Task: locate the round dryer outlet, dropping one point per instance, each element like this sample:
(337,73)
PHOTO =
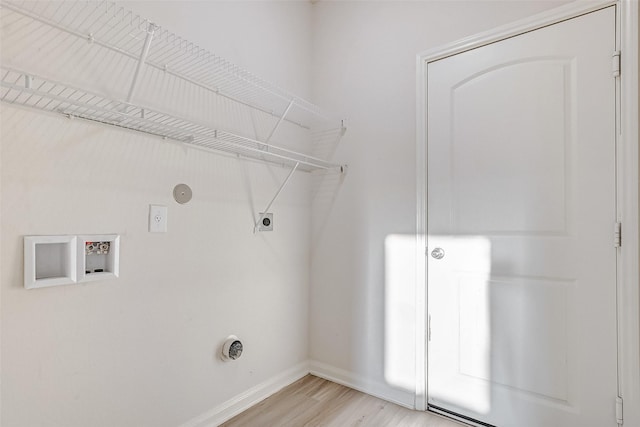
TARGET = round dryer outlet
(232,348)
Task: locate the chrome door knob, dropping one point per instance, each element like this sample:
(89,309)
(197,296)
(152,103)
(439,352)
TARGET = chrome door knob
(437,253)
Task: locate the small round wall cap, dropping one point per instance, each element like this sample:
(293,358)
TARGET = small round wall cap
(182,193)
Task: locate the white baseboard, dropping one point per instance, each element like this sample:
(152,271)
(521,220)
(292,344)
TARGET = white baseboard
(357,382)
(232,407)
(244,401)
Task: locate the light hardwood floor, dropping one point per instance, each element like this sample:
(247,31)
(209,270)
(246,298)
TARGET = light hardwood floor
(313,401)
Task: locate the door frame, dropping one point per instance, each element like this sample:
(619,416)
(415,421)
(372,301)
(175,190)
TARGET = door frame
(627,189)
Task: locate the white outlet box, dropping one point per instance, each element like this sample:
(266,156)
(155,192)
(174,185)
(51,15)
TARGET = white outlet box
(98,257)
(266,223)
(158,219)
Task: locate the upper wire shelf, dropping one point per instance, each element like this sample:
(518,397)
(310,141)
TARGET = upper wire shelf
(101,43)
(120,30)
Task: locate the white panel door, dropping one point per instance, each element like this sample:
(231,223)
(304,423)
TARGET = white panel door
(521,212)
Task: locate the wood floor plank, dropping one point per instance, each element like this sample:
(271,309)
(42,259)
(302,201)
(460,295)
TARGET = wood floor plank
(316,402)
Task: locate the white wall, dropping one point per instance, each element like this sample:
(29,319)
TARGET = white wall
(142,350)
(362,297)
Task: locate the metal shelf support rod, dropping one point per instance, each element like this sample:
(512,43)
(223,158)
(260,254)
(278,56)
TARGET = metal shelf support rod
(151,29)
(286,181)
(282,117)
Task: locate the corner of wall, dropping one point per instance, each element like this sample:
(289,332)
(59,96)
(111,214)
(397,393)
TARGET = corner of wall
(243,401)
(361,383)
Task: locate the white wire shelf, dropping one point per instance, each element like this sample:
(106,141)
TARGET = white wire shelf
(105,47)
(113,27)
(21,88)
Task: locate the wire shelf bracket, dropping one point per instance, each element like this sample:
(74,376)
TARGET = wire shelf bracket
(266,210)
(151,29)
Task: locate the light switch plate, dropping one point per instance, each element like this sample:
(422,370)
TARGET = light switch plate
(157,219)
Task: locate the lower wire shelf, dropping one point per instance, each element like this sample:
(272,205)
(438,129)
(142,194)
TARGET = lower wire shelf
(21,88)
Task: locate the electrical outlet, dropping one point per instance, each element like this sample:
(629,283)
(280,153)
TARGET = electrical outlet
(267,222)
(157,219)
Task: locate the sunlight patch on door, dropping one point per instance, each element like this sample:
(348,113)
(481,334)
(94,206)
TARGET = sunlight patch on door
(469,313)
